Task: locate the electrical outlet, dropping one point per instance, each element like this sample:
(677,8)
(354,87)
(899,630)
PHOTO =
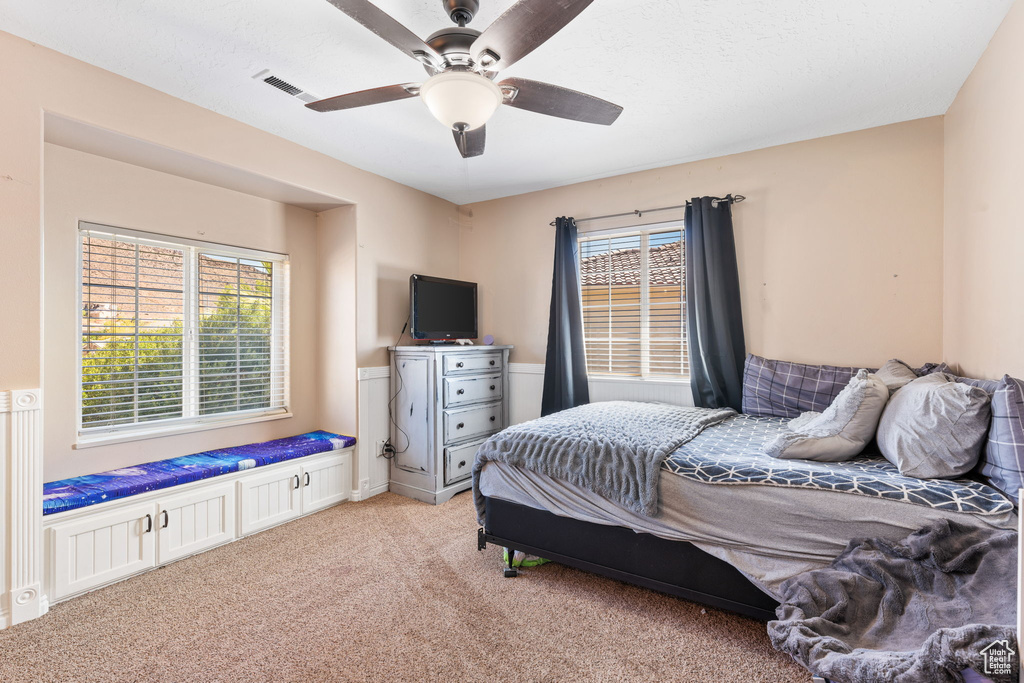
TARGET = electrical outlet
(380,448)
(364,486)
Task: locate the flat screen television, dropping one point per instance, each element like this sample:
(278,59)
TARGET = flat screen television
(442,309)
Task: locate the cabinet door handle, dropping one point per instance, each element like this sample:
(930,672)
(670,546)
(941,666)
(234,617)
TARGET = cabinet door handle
(492,362)
(492,387)
(462,391)
(307,478)
(462,464)
(167,519)
(460,425)
(459,364)
(149,524)
(493,418)
(296,481)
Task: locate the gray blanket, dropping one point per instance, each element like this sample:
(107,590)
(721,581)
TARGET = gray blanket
(923,609)
(613,448)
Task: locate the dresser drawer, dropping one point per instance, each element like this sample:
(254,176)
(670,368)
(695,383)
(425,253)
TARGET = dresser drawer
(461,364)
(458,461)
(463,390)
(461,425)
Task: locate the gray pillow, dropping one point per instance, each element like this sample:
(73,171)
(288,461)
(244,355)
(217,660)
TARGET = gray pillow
(896,374)
(934,427)
(839,432)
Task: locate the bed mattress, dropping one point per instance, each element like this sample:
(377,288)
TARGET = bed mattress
(767,521)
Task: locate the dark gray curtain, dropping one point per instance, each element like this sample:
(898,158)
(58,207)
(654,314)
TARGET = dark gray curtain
(565,368)
(714,324)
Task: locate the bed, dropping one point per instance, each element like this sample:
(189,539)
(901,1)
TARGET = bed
(733,523)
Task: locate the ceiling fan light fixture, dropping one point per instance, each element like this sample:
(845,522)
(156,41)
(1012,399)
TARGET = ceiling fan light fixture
(461,97)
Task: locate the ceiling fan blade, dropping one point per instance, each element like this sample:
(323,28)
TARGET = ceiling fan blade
(521,29)
(555,100)
(385,26)
(389,93)
(470,142)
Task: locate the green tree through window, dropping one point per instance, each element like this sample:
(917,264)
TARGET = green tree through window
(177,332)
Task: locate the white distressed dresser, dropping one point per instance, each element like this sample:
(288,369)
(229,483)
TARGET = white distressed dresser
(447,401)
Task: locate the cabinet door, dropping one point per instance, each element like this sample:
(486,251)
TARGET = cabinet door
(100,549)
(195,521)
(269,499)
(326,482)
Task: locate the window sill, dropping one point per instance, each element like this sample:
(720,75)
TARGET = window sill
(681,381)
(91,441)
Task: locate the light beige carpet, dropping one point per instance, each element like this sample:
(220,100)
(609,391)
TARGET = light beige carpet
(388,589)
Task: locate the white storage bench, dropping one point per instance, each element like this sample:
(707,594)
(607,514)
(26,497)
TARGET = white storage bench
(105,527)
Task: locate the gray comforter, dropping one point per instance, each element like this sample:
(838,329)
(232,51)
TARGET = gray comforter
(923,609)
(613,448)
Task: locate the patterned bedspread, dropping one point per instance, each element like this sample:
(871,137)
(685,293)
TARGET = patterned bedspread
(733,453)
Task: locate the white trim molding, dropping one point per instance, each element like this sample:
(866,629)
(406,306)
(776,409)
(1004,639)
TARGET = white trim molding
(374,390)
(21,451)
(526,387)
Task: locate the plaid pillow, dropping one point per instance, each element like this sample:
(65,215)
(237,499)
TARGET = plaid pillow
(777,388)
(1003,459)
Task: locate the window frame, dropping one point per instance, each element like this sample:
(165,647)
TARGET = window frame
(280,371)
(644,231)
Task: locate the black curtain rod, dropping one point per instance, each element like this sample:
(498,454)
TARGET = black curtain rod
(731,198)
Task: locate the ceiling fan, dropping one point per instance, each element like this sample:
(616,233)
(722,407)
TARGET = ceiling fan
(462,63)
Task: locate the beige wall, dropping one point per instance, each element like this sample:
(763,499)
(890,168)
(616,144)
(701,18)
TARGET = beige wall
(984,242)
(336,292)
(389,232)
(399,229)
(81,186)
(839,244)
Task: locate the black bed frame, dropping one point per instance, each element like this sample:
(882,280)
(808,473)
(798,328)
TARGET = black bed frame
(674,567)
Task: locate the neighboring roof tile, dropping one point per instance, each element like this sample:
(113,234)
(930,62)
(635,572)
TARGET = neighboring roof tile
(624,266)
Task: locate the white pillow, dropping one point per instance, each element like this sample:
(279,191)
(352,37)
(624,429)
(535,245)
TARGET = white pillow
(935,427)
(842,430)
(896,374)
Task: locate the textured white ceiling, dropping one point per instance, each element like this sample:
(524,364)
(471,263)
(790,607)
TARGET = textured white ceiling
(697,78)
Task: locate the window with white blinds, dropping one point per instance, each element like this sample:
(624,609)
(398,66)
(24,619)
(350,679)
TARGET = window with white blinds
(634,303)
(178,332)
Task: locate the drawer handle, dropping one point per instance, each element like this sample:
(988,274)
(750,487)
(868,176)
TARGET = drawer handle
(493,418)
(167,519)
(149,524)
(492,362)
(462,391)
(460,425)
(307,478)
(462,464)
(459,364)
(296,481)
(492,387)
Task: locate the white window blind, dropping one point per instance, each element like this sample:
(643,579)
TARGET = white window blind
(179,331)
(634,305)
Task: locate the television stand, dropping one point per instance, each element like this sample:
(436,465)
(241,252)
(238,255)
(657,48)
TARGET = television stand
(447,401)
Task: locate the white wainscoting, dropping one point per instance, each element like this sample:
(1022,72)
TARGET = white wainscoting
(21,532)
(676,392)
(526,382)
(374,392)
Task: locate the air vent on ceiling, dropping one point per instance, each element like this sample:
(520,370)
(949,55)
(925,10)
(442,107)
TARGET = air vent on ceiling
(270,79)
